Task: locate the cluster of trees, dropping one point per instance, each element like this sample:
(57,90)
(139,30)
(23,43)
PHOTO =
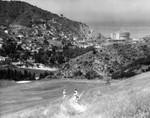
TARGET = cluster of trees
(122,60)
(114,61)
(90,75)
(46,74)
(16,75)
(74,52)
(10,49)
(53,57)
(11,74)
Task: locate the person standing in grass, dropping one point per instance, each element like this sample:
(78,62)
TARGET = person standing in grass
(76,95)
(64,93)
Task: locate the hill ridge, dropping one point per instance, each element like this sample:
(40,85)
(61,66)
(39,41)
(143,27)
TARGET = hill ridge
(25,14)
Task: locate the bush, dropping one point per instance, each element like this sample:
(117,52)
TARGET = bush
(51,74)
(91,75)
(12,74)
(78,73)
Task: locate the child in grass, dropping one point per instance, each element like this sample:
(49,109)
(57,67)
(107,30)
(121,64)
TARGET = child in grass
(76,95)
(64,93)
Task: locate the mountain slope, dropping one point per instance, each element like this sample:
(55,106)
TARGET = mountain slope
(17,12)
(116,61)
(22,13)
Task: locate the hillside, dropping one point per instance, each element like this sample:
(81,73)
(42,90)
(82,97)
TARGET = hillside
(15,13)
(21,13)
(114,61)
(39,36)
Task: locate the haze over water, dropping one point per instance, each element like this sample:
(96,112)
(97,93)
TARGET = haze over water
(136,31)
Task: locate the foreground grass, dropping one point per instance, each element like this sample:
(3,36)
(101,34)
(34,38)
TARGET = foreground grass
(129,99)
(126,99)
(121,105)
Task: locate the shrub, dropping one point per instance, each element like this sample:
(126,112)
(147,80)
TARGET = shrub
(78,73)
(51,74)
(91,75)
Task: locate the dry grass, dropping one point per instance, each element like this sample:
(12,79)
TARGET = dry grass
(121,105)
(129,99)
(126,99)
(118,103)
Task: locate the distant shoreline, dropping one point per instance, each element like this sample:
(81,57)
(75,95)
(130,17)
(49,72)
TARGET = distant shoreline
(136,31)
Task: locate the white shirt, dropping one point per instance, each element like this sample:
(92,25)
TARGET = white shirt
(75,93)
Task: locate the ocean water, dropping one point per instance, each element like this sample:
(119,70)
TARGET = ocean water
(135,31)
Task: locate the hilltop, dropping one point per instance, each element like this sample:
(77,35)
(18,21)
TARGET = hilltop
(18,13)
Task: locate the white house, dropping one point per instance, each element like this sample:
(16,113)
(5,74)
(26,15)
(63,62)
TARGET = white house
(6,31)
(2,58)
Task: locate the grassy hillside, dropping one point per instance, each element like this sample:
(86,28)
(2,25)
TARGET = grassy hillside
(29,100)
(122,99)
(126,99)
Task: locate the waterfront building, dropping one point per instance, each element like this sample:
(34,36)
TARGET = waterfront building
(120,35)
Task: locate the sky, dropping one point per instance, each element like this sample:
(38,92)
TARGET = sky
(100,12)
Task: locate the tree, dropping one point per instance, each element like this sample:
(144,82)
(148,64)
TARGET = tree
(33,76)
(44,58)
(24,55)
(103,68)
(25,74)
(9,48)
(91,75)
(29,77)
(46,43)
(45,74)
(18,76)
(78,73)
(51,74)
(61,15)
(41,76)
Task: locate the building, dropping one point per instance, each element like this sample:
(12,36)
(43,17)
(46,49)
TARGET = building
(121,35)
(6,31)
(2,58)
